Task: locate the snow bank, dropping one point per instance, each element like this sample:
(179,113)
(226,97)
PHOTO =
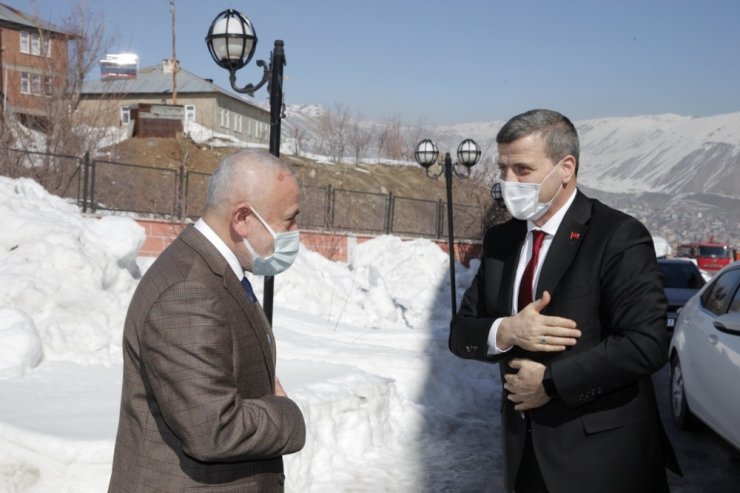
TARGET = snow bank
(69,275)
(362,348)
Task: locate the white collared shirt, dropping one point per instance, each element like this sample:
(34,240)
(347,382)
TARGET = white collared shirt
(225,251)
(550,228)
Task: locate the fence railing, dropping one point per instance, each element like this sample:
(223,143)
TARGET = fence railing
(178,193)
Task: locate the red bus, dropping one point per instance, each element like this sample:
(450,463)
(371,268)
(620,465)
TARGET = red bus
(710,255)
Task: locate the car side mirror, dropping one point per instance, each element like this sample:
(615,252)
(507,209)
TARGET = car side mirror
(729,323)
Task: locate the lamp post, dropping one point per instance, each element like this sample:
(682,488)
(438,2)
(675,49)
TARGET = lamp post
(468,155)
(231,40)
(496,193)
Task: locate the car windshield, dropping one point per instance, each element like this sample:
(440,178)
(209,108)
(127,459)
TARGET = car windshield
(714,251)
(680,275)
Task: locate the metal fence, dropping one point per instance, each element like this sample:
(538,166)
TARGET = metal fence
(177,193)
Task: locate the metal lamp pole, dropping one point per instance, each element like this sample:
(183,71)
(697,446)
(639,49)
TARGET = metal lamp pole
(231,41)
(468,154)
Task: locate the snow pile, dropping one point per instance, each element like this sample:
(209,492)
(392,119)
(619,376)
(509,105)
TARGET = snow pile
(66,278)
(388,283)
(362,348)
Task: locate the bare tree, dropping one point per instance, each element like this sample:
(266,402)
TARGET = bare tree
(381,137)
(57,133)
(393,137)
(333,130)
(415,134)
(484,176)
(85,40)
(299,136)
(359,136)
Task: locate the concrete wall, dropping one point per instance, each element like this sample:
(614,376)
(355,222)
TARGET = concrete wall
(334,246)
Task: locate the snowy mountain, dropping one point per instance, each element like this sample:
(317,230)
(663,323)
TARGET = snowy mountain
(669,154)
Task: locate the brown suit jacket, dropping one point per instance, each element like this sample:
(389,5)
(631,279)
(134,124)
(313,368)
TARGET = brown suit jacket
(198,410)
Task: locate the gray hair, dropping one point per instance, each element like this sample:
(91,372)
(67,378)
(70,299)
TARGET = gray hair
(559,133)
(241,176)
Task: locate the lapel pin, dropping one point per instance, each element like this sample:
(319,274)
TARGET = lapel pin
(575,235)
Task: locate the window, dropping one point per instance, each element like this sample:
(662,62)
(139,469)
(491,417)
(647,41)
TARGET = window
(714,251)
(25,42)
(47,47)
(735,305)
(681,275)
(35,44)
(25,83)
(125,115)
(48,86)
(224,113)
(189,113)
(238,123)
(36,84)
(716,297)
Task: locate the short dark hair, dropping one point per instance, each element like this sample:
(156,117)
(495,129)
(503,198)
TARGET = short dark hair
(561,137)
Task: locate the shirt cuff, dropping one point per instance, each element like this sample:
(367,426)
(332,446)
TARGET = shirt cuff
(492,348)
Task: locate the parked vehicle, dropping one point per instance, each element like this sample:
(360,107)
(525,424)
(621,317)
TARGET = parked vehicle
(681,280)
(705,357)
(710,255)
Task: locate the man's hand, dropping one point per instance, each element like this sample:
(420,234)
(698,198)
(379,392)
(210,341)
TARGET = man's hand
(279,390)
(525,387)
(531,330)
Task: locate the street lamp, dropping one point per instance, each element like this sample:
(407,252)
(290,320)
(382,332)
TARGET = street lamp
(468,154)
(231,40)
(496,193)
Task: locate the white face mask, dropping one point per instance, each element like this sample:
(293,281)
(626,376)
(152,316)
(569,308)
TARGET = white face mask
(284,252)
(523,199)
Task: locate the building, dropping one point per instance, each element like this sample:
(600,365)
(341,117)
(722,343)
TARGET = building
(33,64)
(204,102)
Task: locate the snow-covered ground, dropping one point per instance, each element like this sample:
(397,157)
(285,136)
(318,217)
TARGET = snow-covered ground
(362,348)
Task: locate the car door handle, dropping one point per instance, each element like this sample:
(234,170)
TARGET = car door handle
(713,339)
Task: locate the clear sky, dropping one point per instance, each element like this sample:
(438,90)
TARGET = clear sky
(454,61)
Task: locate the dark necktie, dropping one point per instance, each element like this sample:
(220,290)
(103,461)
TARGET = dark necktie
(525,288)
(248,288)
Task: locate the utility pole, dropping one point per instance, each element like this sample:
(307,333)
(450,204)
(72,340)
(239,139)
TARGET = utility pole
(174,55)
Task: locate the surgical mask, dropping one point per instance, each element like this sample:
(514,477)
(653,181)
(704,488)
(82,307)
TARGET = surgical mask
(284,252)
(523,199)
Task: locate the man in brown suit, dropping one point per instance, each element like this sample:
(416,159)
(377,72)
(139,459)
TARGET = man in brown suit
(201,407)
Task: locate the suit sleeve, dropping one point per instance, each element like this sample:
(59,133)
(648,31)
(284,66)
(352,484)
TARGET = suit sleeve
(187,357)
(632,312)
(470,327)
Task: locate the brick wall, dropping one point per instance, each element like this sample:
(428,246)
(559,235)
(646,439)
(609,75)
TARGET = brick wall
(15,62)
(334,246)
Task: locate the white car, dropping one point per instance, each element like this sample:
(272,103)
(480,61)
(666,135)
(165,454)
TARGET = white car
(705,357)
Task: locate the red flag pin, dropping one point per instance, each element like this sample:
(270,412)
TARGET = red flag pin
(575,235)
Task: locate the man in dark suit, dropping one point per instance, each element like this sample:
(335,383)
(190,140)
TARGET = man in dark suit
(201,407)
(569,301)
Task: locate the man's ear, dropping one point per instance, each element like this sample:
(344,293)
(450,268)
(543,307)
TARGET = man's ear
(239,218)
(568,164)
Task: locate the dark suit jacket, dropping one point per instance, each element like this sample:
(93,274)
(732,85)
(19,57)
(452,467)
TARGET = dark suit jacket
(198,410)
(603,433)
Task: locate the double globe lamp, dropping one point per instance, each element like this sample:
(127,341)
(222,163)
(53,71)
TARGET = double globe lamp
(468,155)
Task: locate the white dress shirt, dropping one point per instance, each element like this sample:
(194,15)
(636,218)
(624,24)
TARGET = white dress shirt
(550,228)
(225,251)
